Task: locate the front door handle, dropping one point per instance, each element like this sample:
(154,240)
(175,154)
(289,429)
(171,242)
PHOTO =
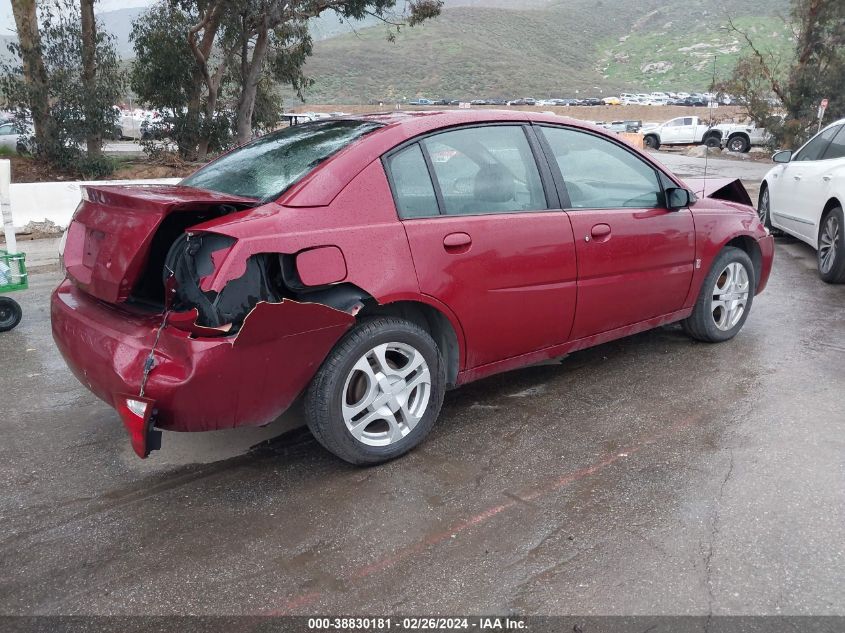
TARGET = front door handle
(826,178)
(797,177)
(457,242)
(599,233)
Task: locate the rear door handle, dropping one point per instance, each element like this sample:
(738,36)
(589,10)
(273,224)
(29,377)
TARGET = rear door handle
(457,242)
(600,233)
(797,177)
(826,178)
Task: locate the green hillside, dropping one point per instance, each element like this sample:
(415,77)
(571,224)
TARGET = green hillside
(551,50)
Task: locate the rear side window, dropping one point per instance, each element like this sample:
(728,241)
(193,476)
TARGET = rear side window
(815,149)
(836,149)
(412,188)
(602,175)
(488,169)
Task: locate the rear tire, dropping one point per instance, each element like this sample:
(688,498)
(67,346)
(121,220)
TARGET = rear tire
(739,144)
(378,393)
(651,141)
(10,314)
(725,299)
(831,253)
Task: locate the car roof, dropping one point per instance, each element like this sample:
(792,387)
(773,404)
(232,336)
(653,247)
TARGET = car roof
(321,186)
(409,124)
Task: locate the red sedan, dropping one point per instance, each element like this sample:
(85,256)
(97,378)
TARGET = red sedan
(370,263)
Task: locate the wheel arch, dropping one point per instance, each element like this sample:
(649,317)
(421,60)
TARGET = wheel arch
(831,204)
(752,249)
(744,135)
(434,321)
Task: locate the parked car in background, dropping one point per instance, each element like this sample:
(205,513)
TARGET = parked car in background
(612,101)
(421,102)
(692,130)
(339,260)
(804,194)
(16,137)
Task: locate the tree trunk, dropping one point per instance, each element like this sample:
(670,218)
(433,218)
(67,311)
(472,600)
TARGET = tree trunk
(35,74)
(94,137)
(246,102)
(208,25)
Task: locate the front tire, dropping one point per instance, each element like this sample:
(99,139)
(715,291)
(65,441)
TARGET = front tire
(831,253)
(651,142)
(378,393)
(764,210)
(725,299)
(713,141)
(10,314)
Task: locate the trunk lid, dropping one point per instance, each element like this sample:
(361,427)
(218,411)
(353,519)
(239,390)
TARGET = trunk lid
(116,226)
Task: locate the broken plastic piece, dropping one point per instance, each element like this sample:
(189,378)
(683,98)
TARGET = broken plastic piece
(187,322)
(136,414)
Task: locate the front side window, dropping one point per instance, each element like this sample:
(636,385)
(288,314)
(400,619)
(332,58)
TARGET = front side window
(265,168)
(816,147)
(412,188)
(488,169)
(600,174)
(836,149)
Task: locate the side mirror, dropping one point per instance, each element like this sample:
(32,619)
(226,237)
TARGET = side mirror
(784,156)
(677,198)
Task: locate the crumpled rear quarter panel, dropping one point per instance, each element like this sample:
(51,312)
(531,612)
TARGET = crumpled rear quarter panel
(197,384)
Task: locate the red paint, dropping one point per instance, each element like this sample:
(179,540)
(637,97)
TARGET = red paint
(321,266)
(198,384)
(642,271)
(109,238)
(517,288)
(137,423)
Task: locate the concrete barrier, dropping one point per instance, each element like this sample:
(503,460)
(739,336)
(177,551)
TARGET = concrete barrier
(56,201)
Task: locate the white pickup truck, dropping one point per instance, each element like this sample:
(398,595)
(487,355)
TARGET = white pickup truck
(692,130)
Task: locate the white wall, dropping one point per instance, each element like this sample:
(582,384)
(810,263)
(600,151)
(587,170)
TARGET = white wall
(56,201)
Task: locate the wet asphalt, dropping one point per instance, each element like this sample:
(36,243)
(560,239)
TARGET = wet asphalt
(652,475)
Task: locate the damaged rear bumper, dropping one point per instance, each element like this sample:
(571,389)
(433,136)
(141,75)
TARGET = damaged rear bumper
(196,384)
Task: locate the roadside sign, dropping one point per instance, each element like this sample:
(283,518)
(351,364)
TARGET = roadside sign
(464,105)
(822,108)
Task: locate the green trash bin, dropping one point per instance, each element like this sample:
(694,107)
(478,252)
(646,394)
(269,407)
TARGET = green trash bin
(12,277)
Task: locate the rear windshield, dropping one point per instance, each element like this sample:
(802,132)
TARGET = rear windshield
(266,167)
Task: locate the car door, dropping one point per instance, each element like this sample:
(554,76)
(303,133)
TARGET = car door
(488,238)
(635,257)
(686,130)
(796,190)
(670,132)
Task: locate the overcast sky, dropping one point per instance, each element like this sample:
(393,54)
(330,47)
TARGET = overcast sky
(7,22)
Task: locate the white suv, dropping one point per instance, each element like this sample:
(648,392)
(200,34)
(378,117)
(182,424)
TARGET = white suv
(804,194)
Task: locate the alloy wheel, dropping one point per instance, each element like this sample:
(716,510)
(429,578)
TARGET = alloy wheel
(828,242)
(730,296)
(386,394)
